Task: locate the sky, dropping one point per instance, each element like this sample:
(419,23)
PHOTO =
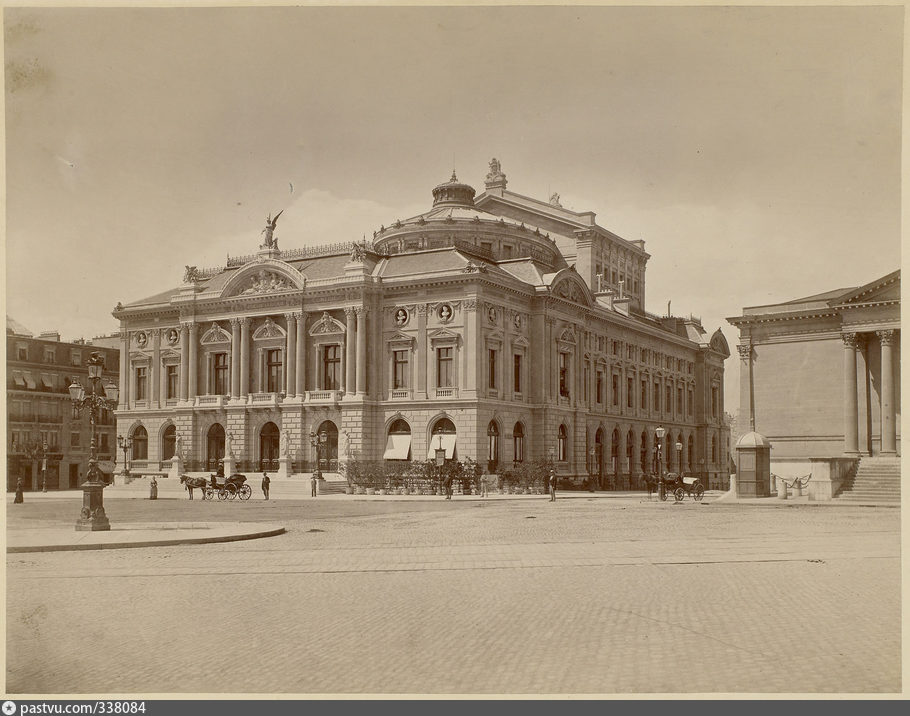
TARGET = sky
(756,151)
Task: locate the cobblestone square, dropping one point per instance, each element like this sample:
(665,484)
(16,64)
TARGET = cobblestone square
(590,596)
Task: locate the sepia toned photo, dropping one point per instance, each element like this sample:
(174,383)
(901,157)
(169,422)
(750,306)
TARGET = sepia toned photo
(452,352)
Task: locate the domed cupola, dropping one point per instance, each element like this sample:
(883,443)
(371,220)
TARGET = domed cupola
(453,193)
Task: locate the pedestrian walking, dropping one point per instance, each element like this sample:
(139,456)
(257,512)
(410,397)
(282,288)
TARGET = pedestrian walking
(447,483)
(265,485)
(552,485)
(19,496)
(153,489)
(313,485)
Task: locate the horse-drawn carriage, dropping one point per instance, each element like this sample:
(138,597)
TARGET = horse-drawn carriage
(226,489)
(676,485)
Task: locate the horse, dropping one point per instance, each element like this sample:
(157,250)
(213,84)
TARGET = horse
(652,483)
(190,482)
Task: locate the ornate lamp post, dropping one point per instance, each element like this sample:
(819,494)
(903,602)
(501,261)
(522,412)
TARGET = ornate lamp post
(661,488)
(318,443)
(44,467)
(679,467)
(592,467)
(126,444)
(93,518)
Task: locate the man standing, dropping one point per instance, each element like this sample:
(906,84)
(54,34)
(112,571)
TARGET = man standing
(552,485)
(265,485)
(313,485)
(447,483)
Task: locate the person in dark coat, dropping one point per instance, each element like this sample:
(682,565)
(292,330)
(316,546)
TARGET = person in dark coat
(265,485)
(19,496)
(313,485)
(447,483)
(552,485)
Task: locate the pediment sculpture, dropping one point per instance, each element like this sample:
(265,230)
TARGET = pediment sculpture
(265,282)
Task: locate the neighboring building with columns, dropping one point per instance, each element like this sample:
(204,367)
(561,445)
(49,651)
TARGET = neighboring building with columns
(820,376)
(498,326)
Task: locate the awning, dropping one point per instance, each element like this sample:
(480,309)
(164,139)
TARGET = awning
(397,447)
(47,380)
(30,381)
(448,443)
(18,379)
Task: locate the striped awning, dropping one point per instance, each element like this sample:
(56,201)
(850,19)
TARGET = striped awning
(47,380)
(18,379)
(30,381)
(397,446)
(448,444)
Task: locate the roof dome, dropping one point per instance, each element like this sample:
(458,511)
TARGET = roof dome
(753,440)
(453,193)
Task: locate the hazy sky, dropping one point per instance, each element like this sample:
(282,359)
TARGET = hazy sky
(755,150)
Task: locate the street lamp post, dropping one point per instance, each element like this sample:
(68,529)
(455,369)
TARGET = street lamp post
(318,443)
(592,467)
(679,458)
(661,488)
(126,444)
(44,467)
(93,518)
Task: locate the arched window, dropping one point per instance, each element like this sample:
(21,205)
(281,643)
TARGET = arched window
(630,447)
(713,451)
(562,443)
(643,453)
(442,436)
(492,446)
(169,442)
(269,447)
(328,452)
(690,453)
(214,447)
(518,443)
(140,444)
(398,442)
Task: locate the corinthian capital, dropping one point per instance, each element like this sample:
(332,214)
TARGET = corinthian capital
(349,311)
(745,351)
(886,337)
(849,340)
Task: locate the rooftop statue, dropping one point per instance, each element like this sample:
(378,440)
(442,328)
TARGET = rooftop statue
(191,275)
(358,252)
(269,229)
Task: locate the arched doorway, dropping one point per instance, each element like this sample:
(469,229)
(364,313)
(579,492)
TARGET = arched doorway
(398,441)
(269,443)
(691,452)
(214,447)
(599,457)
(140,443)
(328,453)
(518,443)
(169,442)
(643,454)
(492,446)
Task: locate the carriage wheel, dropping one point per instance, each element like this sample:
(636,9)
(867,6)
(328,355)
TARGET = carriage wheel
(699,492)
(222,494)
(231,491)
(662,492)
(679,494)
(245,492)
(208,493)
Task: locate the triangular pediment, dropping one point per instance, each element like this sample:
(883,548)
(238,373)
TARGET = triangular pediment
(442,334)
(885,289)
(268,329)
(521,341)
(326,325)
(400,337)
(169,355)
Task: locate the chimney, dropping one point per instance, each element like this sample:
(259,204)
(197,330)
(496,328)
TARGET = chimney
(49,336)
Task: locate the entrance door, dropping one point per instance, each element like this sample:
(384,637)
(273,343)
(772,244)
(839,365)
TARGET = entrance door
(74,477)
(214,452)
(599,457)
(269,441)
(328,452)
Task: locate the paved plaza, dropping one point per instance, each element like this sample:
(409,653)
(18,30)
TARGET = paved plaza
(586,595)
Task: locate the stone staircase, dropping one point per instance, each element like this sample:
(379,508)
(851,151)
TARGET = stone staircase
(877,479)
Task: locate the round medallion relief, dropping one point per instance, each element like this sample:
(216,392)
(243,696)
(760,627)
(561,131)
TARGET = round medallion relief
(401,316)
(445,313)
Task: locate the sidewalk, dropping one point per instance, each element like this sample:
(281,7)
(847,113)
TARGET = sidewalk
(135,535)
(728,498)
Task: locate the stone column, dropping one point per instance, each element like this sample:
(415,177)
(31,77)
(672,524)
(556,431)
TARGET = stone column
(851,426)
(184,361)
(889,437)
(193,368)
(235,358)
(551,360)
(301,354)
(361,313)
(422,352)
(746,390)
(350,346)
(124,370)
(290,360)
(244,357)
(155,378)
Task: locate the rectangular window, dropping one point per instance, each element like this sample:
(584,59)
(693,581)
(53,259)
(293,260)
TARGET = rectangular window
(331,367)
(273,371)
(219,374)
(587,381)
(492,368)
(615,387)
(644,395)
(141,383)
(76,358)
(400,370)
(668,401)
(22,353)
(690,402)
(104,446)
(630,392)
(679,399)
(75,439)
(444,368)
(656,395)
(599,387)
(171,381)
(49,355)
(713,401)
(516,373)
(54,441)
(564,375)
(507,252)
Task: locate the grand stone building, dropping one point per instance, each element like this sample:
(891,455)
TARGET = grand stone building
(497,326)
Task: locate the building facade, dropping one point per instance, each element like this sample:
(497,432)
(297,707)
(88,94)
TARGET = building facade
(820,376)
(498,327)
(47,443)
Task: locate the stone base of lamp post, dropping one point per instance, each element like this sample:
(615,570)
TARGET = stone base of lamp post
(284,467)
(92,518)
(230,465)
